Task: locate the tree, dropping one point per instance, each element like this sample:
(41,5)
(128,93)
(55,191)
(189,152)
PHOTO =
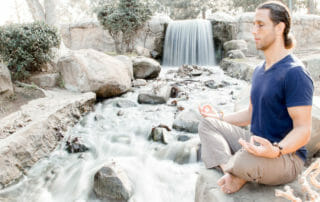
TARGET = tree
(123,20)
(46,13)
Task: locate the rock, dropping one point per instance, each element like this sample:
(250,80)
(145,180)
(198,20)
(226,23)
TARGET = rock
(154,54)
(235,45)
(112,184)
(31,133)
(183,138)
(74,146)
(239,68)
(145,68)
(312,63)
(235,54)
(90,70)
(215,85)
(45,80)
(139,82)
(127,61)
(6,88)
(189,70)
(87,35)
(159,95)
(187,120)
(313,145)
(158,134)
(208,190)
(141,51)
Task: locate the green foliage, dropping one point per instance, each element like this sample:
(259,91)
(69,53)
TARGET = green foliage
(25,47)
(123,19)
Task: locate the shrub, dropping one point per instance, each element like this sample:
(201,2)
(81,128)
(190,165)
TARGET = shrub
(123,20)
(25,47)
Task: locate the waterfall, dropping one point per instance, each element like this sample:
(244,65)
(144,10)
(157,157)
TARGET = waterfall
(189,42)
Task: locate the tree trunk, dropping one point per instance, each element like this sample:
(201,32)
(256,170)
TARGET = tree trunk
(36,10)
(50,7)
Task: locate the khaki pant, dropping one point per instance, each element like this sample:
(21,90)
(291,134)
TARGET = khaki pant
(219,145)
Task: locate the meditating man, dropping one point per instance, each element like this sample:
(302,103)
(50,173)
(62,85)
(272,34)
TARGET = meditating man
(273,151)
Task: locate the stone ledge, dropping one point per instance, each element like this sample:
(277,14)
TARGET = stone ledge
(33,132)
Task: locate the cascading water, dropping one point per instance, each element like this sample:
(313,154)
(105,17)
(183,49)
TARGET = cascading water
(189,42)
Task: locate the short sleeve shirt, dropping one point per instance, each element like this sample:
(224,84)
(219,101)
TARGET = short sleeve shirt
(285,84)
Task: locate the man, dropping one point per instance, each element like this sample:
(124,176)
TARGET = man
(273,151)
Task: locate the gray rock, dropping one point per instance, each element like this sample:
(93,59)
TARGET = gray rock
(158,134)
(235,54)
(312,63)
(112,184)
(139,82)
(6,88)
(239,68)
(127,61)
(235,45)
(90,70)
(183,138)
(208,190)
(34,131)
(313,145)
(215,85)
(159,95)
(145,68)
(187,120)
(45,80)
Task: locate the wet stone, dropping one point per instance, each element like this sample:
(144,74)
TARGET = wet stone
(183,138)
(74,146)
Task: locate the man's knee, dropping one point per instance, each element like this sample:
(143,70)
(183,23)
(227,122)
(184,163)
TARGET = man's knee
(207,124)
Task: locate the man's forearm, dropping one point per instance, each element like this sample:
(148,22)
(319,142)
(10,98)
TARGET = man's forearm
(241,118)
(297,138)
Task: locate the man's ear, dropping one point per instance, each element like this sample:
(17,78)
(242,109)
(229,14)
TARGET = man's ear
(280,28)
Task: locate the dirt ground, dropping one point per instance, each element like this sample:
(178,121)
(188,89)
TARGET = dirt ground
(21,96)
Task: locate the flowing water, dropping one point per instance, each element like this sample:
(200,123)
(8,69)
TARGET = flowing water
(189,42)
(157,172)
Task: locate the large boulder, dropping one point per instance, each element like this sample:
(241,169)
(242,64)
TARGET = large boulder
(208,190)
(127,61)
(89,70)
(145,68)
(158,95)
(5,81)
(45,80)
(235,45)
(239,68)
(312,63)
(313,145)
(187,120)
(112,184)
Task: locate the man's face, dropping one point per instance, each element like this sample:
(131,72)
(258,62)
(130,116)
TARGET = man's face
(263,29)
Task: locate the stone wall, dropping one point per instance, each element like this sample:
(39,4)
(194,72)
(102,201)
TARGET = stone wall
(305,28)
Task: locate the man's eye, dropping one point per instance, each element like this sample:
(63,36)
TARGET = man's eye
(260,25)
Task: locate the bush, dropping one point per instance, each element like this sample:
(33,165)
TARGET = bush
(25,47)
(123,20)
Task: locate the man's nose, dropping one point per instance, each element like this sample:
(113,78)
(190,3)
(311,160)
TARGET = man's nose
(254,29)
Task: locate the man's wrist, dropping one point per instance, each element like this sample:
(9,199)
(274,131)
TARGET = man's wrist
(276,144)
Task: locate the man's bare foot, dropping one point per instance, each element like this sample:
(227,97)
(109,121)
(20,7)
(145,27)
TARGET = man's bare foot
(230,183)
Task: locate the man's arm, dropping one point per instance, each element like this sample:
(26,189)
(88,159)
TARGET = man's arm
(301,132)
(298,136)
(240,118)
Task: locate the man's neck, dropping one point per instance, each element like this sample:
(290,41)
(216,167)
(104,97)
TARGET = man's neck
(274,54)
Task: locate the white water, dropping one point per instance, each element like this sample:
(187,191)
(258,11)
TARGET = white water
(189,42)
(151,167)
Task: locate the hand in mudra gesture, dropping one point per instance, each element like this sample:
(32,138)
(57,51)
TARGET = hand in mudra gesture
(209,111)
(264,149)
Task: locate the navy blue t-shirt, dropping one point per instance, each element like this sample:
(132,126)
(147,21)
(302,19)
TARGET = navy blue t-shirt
(285,84)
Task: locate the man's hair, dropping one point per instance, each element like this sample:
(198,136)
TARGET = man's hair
(280,13)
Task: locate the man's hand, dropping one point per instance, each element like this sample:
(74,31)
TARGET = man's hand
(208,111)
(265,149)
